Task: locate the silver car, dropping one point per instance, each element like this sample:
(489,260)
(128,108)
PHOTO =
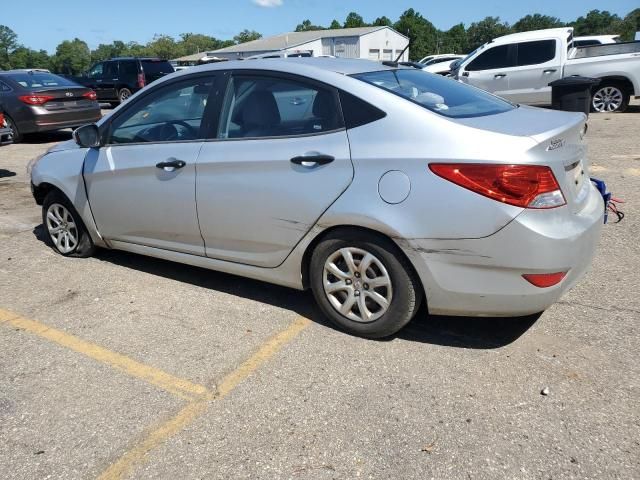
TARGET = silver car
(379,188)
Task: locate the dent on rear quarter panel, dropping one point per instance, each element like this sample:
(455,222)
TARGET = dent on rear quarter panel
(63,169)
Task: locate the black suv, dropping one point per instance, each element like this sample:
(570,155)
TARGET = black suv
(117,79)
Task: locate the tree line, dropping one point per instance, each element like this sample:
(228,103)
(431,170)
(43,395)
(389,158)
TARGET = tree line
(75,56)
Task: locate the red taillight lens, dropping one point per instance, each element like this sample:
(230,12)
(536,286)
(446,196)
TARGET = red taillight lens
(90,95)
(526,186)
(1,120)
(35,99)
(544,280)
(141,80)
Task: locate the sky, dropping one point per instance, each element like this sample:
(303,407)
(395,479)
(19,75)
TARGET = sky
(48,22)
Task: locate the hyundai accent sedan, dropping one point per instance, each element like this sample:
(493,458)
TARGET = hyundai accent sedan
(378,188)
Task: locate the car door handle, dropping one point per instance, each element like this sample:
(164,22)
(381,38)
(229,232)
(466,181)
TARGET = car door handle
(312,160)
(550,70)
(500,75)
(465,74)
(171,165)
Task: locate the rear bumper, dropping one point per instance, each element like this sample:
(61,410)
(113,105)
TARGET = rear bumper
(5,136)
(483,277)
(43,120)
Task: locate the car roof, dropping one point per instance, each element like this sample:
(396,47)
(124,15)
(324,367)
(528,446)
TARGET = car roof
(533,35)
(343,66)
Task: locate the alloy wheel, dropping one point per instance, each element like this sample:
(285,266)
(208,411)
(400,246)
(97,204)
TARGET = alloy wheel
(62,228)
(357,284)
(124,96)
(607,99)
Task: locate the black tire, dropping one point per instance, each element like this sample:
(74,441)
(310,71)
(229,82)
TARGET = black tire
(17,136)
(84,247)
(124,94)
(626,96)
(407,291)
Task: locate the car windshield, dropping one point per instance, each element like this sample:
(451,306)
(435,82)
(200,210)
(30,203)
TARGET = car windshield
(438,94)
(36,80)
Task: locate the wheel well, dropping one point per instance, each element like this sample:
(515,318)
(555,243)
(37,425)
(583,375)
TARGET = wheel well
(623,82)
(306,258)
(42,190)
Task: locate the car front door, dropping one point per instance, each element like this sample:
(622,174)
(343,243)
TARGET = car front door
(141,183)
(537,64)
(280,160)
(95,79)
(490,70)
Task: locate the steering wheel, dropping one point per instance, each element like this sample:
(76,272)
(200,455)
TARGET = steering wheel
(192,131)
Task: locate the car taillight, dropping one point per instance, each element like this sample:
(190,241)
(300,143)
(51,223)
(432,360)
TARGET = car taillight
(141,80)
(90,95)
(1,120)
(544,280)
(526,186)
(35,99)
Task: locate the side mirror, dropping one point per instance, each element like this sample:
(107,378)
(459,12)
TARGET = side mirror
(87,136)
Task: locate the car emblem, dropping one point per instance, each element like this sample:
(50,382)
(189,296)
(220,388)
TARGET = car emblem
(69,94)
(555,143)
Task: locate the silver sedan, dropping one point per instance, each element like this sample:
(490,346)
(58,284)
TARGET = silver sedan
(379,188)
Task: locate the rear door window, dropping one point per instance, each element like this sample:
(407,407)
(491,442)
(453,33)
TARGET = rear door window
(535,53)
(258,107)
(110,70)
(496,57)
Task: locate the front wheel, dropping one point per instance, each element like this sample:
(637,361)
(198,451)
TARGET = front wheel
(363,284)
(609,98)
(64,227)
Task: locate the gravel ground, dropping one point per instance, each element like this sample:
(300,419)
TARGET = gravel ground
(447,398)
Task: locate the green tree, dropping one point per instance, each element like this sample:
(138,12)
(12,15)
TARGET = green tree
(455,40)
(536,22)
(306,26)
(247,36)
(481,32)
(382,22)
(597,23)
(354,20)
(72,57)
(165,47)
(335,25)
(421,32)
(630,25)
(105,51)
(196,43)
(23,57)
(8,43)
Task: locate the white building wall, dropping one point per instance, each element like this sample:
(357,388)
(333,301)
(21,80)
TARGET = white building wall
(386,44)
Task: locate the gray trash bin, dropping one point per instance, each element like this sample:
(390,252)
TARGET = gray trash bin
(572,94)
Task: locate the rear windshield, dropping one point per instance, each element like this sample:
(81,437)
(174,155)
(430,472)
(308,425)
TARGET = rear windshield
(156,66)
(438,94)
(36,80)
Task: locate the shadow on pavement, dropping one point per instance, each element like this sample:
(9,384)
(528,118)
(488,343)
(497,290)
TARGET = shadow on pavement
(459,332)
(47,137)
(6,173)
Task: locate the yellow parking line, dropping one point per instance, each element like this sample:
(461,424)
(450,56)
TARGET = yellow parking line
(189,413)
(177,386)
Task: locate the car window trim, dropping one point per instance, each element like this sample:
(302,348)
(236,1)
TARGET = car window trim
(239,72)
(105,128)
(511,57)
(2,82)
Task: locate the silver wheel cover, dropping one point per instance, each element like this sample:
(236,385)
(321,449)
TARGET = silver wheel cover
(607,99)
(62,228)
(357,284)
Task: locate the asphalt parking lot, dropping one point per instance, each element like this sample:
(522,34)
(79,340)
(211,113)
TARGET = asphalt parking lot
(121,366)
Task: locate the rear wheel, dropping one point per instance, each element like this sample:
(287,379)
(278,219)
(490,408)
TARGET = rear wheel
(610,97)
(363,284)
(64,227)
(124,94)
(15,133)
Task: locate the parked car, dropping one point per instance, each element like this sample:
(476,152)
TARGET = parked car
(36,101)
(331,174)
(520,66)
(595,40)
(6,136)
(115,80)
(429,59)
(442,66)
(283,54)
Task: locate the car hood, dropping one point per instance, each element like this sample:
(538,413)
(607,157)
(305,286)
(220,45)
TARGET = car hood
(525,121)
(68,145)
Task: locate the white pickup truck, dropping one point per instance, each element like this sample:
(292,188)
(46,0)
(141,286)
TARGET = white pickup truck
(519,67)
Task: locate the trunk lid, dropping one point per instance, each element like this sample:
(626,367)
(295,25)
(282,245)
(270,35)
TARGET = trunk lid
(65,98)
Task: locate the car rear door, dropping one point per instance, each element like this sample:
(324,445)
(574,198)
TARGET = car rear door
(537,64)
(141,184)
(110,78)
(280,160)
(490,69)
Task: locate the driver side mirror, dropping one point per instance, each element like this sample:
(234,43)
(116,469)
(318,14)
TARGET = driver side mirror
(87,136)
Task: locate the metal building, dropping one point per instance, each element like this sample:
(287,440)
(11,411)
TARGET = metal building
(374,43)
